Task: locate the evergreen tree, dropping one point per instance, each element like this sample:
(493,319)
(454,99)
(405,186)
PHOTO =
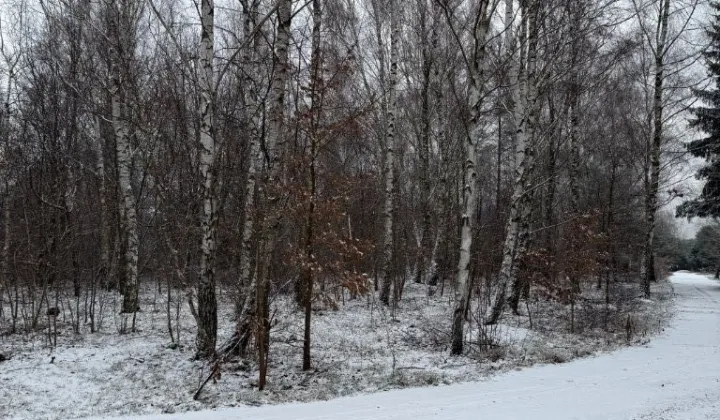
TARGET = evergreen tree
(707,118)
(705,253)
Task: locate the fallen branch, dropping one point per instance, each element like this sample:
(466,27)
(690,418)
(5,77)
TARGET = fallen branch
(214,375)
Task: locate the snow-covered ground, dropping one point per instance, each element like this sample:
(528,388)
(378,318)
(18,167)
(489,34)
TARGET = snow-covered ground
(676,376)
(360,348)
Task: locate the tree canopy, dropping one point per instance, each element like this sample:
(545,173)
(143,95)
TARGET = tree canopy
(707,119)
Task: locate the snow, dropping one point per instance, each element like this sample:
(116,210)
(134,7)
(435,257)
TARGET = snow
(361,347)
(675,376)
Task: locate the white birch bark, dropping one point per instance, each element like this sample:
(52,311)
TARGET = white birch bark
(207,301)
(276,123)
(121,33)
(245,305)
(508,22)
(124,158)
(275,143)
(104,211)
(657,131)
(386,274)
(377,12)
(253,312)
(525,116)
(103,272)
(254,159)
(440,135)
(127,196)
(470,187)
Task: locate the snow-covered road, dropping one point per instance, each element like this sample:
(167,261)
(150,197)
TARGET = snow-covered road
(676,376)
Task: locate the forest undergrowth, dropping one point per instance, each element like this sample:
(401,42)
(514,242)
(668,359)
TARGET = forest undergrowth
(360,346)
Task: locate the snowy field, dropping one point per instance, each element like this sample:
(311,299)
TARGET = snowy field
(360,348)
(674,377)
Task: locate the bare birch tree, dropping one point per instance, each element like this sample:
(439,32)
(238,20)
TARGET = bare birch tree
(122,17)
(386,271)
(271,191)
(663,45)
(475,65)
(315,114)
(522,76)
(207,300)
(247,281)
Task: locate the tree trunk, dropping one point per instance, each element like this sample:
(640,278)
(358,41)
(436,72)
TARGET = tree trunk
(124,171)
(575,14)
(207,300)
(262,311)
(551,182)
(611,240)
(386,272)
(5,257)
(525,115)
(245,284)
(252,315)
(651,198)
(315,114)
(425,243)
(574,164)
(104,211)
(440,139)
(245,305)
(272,198)
(470,187)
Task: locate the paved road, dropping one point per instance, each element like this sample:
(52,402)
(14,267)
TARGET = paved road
(676,376)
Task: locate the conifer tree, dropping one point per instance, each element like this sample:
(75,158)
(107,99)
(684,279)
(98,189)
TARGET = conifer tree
(707,119)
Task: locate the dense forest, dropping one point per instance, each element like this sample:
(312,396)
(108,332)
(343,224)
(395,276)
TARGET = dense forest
(306,153)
